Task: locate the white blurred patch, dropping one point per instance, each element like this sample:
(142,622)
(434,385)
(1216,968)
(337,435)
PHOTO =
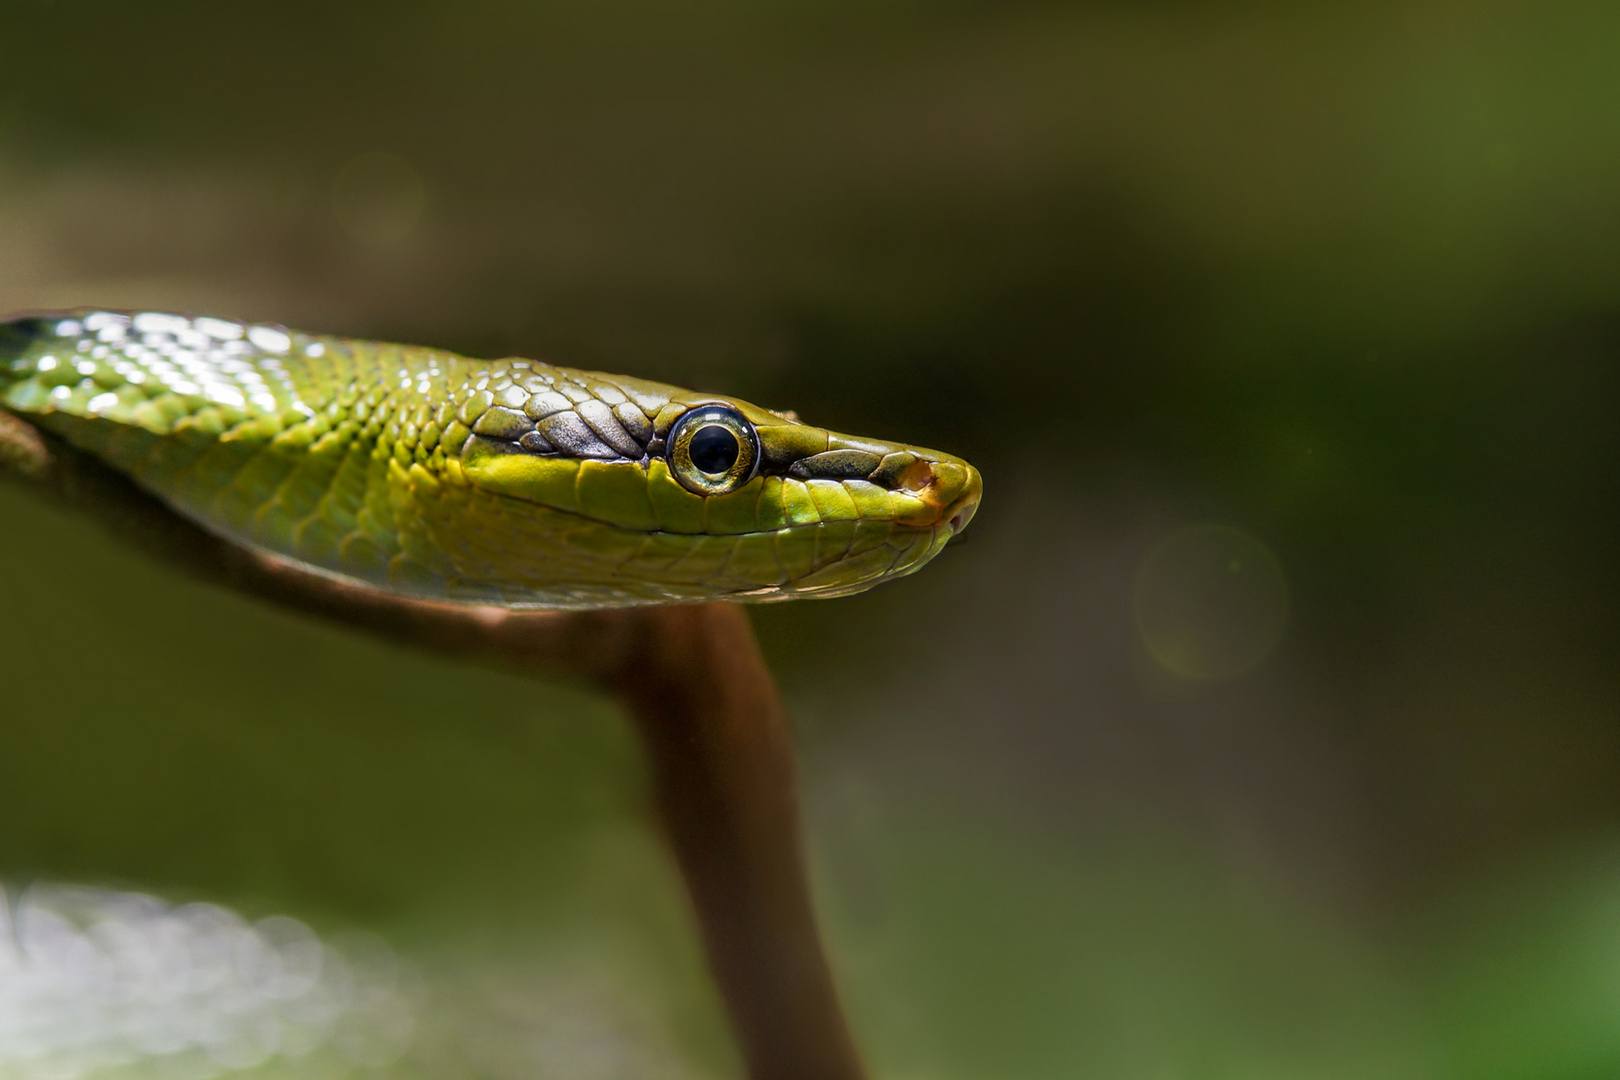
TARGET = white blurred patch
(109,983)
(269,339)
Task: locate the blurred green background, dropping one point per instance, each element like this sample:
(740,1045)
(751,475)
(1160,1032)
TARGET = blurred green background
(1266,724)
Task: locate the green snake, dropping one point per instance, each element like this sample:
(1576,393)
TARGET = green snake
(509,482)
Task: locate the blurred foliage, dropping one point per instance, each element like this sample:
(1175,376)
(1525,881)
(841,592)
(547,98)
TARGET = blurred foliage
(1346,277)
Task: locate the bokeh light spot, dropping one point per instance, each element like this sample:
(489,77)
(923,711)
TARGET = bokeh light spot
(1210,602)
(94,982)
(378,197)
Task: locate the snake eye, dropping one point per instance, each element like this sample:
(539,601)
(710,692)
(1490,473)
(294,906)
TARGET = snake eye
(712,450)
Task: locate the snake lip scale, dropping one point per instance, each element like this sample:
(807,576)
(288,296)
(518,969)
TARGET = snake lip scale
(511,482)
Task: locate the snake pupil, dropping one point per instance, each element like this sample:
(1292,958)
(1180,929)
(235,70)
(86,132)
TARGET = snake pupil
(714,449)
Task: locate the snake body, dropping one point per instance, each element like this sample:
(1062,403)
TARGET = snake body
(511,482)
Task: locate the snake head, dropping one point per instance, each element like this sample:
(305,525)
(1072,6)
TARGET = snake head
(715,497)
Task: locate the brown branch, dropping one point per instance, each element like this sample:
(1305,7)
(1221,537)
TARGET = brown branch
(693,681)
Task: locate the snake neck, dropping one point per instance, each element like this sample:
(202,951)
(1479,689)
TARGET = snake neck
(280,443)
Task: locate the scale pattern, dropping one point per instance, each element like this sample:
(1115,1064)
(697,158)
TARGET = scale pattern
(512,482)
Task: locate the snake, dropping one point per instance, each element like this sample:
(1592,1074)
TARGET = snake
(510,482)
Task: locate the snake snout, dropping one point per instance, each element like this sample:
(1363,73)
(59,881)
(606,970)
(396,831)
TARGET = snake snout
(950,488)
(960,512)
